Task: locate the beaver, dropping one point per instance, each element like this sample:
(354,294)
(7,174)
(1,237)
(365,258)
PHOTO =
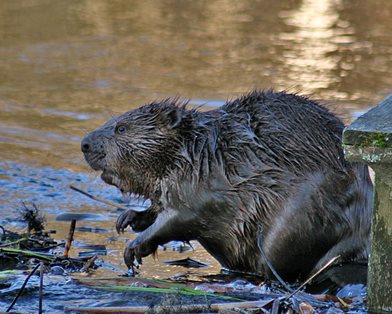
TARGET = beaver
(260,180)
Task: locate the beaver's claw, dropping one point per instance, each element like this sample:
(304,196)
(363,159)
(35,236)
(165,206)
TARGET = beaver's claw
(132,256)
(125,220)
(137,249)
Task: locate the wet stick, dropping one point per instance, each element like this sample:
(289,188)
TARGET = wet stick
(313,276)
(88,264)
(70,237)
(22,288)
(272,269)
(41,284)
(98,199)
(275,306)
(44,256)
(13,243)
(192,308)
(72,217)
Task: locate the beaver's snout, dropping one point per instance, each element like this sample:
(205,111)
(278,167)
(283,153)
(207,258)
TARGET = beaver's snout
(86,146)
(92,144)
(93,150)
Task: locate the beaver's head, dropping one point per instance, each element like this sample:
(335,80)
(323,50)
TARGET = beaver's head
(138,147)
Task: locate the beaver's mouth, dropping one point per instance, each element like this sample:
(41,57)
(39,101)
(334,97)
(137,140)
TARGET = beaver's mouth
(95,161)
(111,178)
(124,186)
(108,177)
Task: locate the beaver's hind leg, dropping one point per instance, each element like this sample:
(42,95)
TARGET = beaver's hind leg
(316,224)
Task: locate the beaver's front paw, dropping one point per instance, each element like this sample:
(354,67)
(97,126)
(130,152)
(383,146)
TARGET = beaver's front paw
(135,250)
(132,256)
(125,220)
(139,221)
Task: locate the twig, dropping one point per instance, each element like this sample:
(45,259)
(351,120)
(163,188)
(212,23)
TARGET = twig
(70,237)
(313,276)
(192,308)
(44,248)
(98,199)
(41,284)
(22,288)
(47,257)
(275,306)
(277,276)
(13,243)
(88,264)
(239,272)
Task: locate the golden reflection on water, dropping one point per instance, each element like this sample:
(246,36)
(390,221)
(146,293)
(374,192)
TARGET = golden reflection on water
(308,59)
(68,66)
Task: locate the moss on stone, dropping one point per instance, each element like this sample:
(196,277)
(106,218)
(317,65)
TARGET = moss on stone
(380,140)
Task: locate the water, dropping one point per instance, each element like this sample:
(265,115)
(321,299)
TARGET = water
(68,66)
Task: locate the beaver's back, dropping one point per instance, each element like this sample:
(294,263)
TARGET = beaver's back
(290,131)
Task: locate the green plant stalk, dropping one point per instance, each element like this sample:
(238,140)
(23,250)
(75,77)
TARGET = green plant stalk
(181,287)
(185,291)
(14,242)
(27,253)
(6,274)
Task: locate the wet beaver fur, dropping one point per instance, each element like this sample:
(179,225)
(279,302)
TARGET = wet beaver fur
(263,172)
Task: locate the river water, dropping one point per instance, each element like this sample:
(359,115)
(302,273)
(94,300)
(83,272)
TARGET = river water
(68,66)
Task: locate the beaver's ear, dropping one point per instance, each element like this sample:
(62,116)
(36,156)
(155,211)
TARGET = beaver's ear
(173,117)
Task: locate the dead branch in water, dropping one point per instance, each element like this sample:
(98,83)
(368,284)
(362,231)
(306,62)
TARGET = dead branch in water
(41,286)
(89,263)
(98,199)
(22,288)
(269,264)
(313,276)
(70,237)
(192,308)
(14,242)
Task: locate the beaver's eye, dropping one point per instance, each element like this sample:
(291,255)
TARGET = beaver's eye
(120,129)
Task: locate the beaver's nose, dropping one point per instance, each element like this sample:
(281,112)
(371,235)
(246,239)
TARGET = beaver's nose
(86,145)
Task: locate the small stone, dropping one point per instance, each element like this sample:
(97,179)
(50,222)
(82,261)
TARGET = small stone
(305,308)
(58,270)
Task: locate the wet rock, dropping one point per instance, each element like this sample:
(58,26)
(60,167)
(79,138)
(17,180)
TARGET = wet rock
(58,270)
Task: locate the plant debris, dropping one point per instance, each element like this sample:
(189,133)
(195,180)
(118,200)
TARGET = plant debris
(19,251)
(33,217)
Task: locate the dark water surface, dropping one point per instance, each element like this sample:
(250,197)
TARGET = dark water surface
(68,66)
